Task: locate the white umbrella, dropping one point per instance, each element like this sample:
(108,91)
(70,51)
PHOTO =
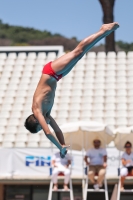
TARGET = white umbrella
(122,135)
(81,134)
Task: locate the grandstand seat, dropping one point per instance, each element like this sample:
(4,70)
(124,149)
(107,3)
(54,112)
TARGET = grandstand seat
(87,99)
(6,107)
(31,56)
(3,56)
(2,129)
(121,79)
(28,68)
(121,63)
(9,62)
(109,114)
(19,100)
(2,93)
(18,107)
(99,92)
(130,121)
(14,80)
(121,73)
(6,74)
(129,99)
(1,138)
(45,144)
(130,61)
(110,73)
(98,99)
(62,114)
(51,56)
(110,86)
(7,144)
(98,106)
(122,121)
(2,62)
(130,54)
(11,129)
(130,73)
(12,56)
(32,145)
(111,64)
(17,74)
(22,56)
(19,63)
(39,65)
(3,87)
(4,114)
(110,92)
(110,106)
(16,114)
(13,122)
(63,106)
(41,55)
(86,113)
(21,138)
(90,63)
(121,92)
(30,62)
(121,86)
(121,54)
(130,106)
(100,73)
(111,54)
(9,138)
(121,106)
(8,69)
(121,99)
(74,106)
(22,130)
(110,121)
(34,138)
(87,106)
(77,86)
(19,144)
(91,55)
(97,113)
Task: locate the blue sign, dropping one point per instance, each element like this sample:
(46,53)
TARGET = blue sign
(38,161)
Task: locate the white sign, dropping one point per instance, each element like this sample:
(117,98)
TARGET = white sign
(36,162)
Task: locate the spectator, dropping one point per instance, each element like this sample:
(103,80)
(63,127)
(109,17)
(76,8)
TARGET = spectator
(97,163)
(127,162)
(61,165)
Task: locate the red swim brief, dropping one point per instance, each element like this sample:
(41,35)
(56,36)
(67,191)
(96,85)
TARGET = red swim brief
(47,69)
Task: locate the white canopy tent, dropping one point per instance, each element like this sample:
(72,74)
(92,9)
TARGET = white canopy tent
(122,135)
(80,134)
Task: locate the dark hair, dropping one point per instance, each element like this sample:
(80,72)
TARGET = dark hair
(31,124)
(128,143)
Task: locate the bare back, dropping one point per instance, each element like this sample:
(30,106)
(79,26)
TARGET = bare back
(43,98)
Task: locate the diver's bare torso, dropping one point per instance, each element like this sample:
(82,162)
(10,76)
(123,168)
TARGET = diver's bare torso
(43,98)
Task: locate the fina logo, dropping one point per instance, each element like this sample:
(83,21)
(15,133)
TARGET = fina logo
(38,161)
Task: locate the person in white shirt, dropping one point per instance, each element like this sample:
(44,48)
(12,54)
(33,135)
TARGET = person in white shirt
(61,165)
(127,162)
(97,163)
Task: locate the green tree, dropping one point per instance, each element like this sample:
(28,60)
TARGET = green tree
(108,17)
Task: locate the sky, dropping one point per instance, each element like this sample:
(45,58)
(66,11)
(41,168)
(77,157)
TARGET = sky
(70,18)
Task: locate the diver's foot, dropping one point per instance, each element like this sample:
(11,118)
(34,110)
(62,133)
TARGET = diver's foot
(108,28)
(63,151)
